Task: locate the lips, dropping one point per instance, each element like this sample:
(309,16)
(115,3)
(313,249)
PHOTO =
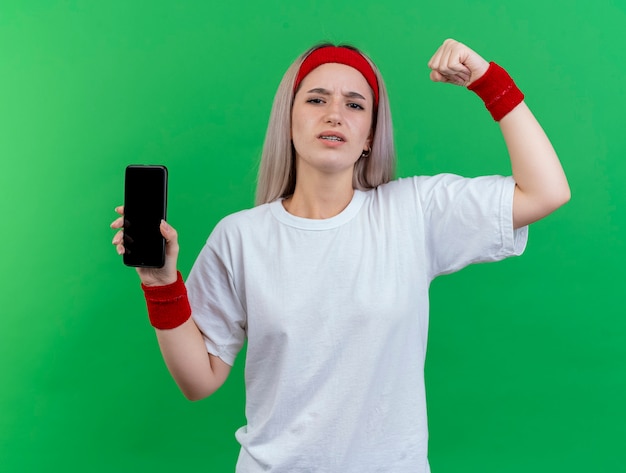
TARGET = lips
(332,136)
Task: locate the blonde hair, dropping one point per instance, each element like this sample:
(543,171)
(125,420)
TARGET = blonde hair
(277,172)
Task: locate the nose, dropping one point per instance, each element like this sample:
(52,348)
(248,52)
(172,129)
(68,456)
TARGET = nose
(333,113)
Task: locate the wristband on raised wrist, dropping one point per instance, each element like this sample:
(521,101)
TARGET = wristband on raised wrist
(498,91)
(168,306)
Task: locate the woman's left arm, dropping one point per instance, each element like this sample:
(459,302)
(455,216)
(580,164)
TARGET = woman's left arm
(541,185)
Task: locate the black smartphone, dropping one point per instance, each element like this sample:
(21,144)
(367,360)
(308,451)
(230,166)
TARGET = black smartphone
(145,205)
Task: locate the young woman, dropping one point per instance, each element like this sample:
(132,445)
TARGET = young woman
(327,277)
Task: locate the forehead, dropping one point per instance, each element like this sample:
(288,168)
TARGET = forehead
(333,75)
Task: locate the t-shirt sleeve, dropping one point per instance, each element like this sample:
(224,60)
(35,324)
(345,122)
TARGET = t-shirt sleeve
(216,306)
(468,220)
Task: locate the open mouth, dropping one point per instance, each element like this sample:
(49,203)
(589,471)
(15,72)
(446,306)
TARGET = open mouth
(331,138)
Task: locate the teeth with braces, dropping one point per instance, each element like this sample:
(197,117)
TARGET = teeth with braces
(331,138)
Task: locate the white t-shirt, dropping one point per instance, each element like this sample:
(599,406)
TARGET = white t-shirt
(335,313)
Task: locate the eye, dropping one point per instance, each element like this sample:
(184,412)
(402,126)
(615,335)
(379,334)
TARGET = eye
(355,106)
(315,101)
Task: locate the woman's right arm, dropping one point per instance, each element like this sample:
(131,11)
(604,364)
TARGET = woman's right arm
(197,373)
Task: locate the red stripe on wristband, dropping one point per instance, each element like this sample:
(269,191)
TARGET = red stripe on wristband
(168,306)
(498,91)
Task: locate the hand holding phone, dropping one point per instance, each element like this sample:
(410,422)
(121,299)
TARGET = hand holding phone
(145,205)
(152,276)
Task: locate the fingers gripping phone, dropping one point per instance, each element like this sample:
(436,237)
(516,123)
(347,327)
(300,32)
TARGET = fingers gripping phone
(145,205)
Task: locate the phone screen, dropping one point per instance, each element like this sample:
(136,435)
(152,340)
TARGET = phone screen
(145,204)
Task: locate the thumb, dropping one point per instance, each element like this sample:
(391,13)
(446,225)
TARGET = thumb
(437,77)
(169,233)
(171,246)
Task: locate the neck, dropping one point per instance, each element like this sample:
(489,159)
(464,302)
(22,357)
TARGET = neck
(321,199)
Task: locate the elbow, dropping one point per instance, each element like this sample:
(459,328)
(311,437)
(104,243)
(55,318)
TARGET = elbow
(193,397)
(198,390)
(555,200)
(193,394)
(554,196)
(533,208)
(562,197)
(196,394)
(567,195)
(196,385)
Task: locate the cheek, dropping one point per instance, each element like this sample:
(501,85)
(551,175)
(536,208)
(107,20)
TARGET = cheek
(297,136)
(296,133)
(299,126)
(366,129)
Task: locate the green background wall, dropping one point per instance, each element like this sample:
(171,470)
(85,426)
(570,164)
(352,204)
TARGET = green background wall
(526,366)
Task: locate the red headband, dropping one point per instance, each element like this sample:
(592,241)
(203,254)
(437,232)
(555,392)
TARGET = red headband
(339,55)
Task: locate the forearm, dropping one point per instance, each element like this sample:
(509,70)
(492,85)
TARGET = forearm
(197,373)
(541,185)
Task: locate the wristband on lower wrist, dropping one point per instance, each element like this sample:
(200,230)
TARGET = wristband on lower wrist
(498,91)
(168,306)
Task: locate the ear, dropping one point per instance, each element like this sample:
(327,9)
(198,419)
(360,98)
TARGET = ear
(369,141)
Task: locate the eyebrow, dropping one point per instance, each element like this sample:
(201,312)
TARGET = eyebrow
(322,91)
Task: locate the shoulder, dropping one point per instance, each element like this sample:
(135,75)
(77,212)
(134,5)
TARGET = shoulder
(411,183)
(425,186)
(244,218)
(414,186)
(238,224)
(231,235)
(441,193)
